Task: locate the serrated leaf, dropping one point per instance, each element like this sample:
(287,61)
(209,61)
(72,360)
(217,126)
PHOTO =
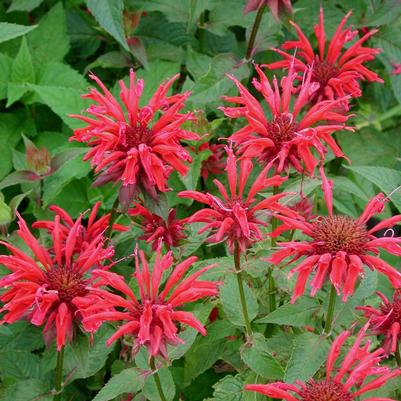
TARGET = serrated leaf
(150,390)
(21,335)
(24,5)
(299,314)
(109,14)
(18,177)
(127,381)
(84,358)
(308,355)
(19,365)
(230,299)
(61,75)
(11,31)
(230,388)
(27,390)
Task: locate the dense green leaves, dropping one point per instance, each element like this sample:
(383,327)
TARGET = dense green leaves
(10,31)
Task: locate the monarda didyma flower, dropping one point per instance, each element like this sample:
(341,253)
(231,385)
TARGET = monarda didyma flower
(135,146)
(359,373)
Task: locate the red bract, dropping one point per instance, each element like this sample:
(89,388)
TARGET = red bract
(234,216)
(339,68)
(214,164)
(138,146)
(85,233)
(285,136)
(277,7)
(339,247)
(386,320)
(44,289)
(156,229)
(359,373)
(151,317)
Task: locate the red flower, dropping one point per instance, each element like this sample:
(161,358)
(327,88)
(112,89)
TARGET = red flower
(86,234)
(339,247)
(214,164)
(138,146)
(44,289)
(396,69)
(386,320)
(285,137)
(336,70)
(277,7)
(156,229)
(359,373)
(151,317)
(234,216)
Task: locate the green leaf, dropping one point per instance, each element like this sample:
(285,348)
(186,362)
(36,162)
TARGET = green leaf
(74,168)
(230,388)
(27,390)
(260,360)
(50,42)
(18,177)
(150,390)
(128,381)
(299,314)
(109,14)
(84,358)
(230,298)
(5,74)
(385,178)
(24,5)
(21,335)
(19,365)
(62,75)
(11,31)
(308,355)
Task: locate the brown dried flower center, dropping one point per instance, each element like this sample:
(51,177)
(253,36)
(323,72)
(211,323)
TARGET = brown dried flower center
(339,233)
(326,390)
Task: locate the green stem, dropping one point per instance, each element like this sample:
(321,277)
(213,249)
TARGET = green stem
(397,355)
(237,264)
(59,374)
(255,28)
(113,216)
(157,379)
(330,310)
(395,111)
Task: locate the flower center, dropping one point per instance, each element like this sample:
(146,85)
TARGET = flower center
(282,129)
(339,233)
(323,72)
(326,390)
(67,282)
(134,136)
(392,310)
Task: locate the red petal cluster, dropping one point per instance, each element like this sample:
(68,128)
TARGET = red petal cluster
(359,373)
(152,316)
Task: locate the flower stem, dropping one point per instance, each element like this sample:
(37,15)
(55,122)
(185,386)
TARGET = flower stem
(237,264)
(157,380)
(330,310)
(113,216)
(255,28)
(59,374)
(397,355)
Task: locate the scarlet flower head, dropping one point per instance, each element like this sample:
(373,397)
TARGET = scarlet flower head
(234,215)
(386,320)
(85,233)
(338,247)
(214,164)
(285,136)
(336,70)
(151,316)
(43,288)
(359,373)
(138,146)
(156,228)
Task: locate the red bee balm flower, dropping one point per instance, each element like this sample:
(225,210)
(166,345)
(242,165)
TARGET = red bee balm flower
(155,228)
(234,218)
(339,246)
(386,320)
(44,290)
(343,384)
(277,7)
(151,318)
(338,70)
(139,146)
(86,234)
(285,137)
(214,164)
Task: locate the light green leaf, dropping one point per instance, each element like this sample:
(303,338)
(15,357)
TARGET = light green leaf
(5,74)
(128,381)
(11,31)
(24,5)
(230,388)
(150,390)
(109,14)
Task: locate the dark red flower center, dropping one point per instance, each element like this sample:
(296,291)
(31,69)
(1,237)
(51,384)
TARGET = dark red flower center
(323,72)
(67,282)
(326,390)
(134,136)
(282,129)
(339,233)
